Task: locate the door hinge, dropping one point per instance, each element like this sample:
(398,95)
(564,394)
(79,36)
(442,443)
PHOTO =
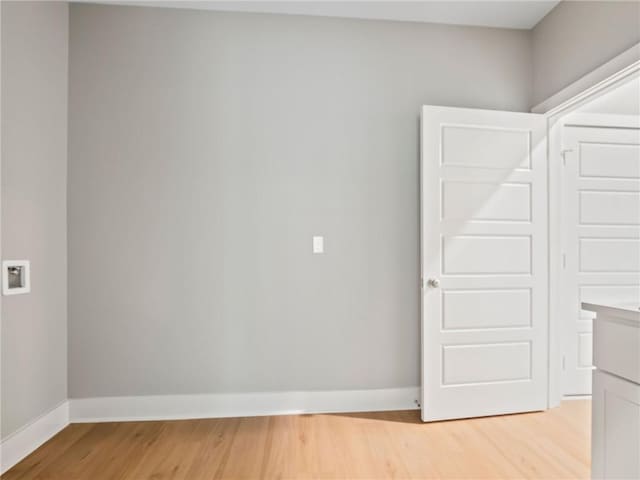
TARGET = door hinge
(564,261)
(563,153)
(564,362)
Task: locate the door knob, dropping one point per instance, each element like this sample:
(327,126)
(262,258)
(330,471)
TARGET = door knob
(433,283)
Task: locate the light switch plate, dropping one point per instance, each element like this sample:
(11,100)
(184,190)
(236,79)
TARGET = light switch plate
(16,277)
(318,244)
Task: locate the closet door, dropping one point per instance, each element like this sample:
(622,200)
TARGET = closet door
(484,263)
(602,236)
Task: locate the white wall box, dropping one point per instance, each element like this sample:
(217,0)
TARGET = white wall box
(318,244)
(16,277)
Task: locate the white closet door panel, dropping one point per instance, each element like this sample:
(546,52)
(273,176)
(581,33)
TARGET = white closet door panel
(622,160)
(609,208)
(609,255)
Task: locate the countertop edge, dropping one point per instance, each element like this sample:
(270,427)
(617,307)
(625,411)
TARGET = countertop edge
(626,313)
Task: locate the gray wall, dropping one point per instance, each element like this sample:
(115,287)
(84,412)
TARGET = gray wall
(206,150)
(34,168)
(577,37)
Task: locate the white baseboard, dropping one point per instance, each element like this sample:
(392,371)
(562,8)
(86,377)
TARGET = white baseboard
(26,440)
(174,407)
(568,398)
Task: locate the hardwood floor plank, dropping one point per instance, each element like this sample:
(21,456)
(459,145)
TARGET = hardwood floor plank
(552,445)
(88,451)
(39,460)
(126,451)
(246,455)
(214,449)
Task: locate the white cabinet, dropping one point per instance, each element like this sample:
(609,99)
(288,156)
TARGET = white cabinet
(616,427)
(615,441)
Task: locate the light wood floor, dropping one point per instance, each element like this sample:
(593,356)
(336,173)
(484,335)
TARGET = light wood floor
(552,444)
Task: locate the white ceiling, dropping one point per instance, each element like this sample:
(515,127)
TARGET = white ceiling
(624,100)
(522,14)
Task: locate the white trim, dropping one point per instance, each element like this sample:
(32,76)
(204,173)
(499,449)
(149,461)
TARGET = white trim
(601,120)
(220,405)
(554,197)
(619,67)
(571,398)
(26,440)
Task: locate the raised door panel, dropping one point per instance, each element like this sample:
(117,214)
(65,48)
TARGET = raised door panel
(469,309)
(487,255)
(621,160)
(480,201)
(486,147)
(488,363)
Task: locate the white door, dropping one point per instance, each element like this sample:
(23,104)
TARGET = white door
(601,243)
(484,263)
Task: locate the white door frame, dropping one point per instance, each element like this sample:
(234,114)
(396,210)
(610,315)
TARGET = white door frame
(622,69)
